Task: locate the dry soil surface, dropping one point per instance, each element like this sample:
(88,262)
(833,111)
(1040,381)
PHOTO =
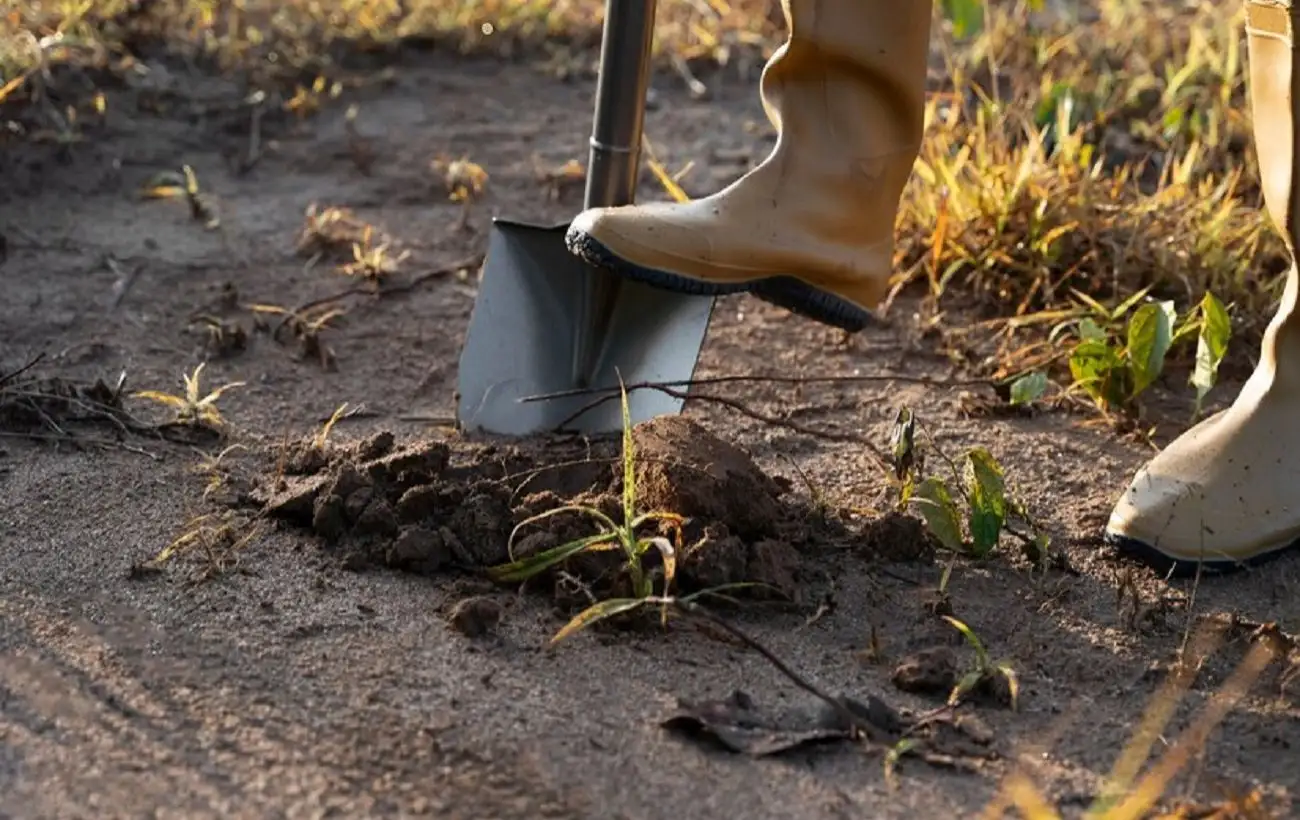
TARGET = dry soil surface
(345,660)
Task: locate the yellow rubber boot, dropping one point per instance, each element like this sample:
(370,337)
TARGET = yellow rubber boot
(811,228)
(1227,492)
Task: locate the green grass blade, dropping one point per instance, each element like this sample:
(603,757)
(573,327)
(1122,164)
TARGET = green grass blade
(610,526)
(598,612)
(526,568)
(629,457)
(971,638)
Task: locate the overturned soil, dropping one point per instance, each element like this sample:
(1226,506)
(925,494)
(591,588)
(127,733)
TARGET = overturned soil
(437,506)
(322,643)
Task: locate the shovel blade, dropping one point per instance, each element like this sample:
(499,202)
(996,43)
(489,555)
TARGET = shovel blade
(527,322)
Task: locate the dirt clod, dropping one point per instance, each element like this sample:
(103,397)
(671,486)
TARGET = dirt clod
(475,617)
(899,537)
(931,671)
(685,469)
(428,506)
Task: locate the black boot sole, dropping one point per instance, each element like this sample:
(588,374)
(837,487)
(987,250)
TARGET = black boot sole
(786,292)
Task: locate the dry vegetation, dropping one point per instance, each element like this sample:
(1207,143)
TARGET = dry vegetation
(1076,156)
(1078,161)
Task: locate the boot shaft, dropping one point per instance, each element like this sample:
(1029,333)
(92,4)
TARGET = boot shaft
(852,73)
(1270,31)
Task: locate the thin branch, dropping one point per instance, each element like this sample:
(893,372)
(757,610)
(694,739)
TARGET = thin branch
(78,441)
(8,377)
(740,408)
(739,379)
(401,287)
(853,719)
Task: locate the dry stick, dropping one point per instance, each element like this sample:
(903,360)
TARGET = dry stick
(8,377)
(737,379)
(854,721)
(78,441)
(739,408)
(408,285)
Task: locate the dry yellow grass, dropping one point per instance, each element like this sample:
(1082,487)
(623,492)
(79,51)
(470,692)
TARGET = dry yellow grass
(1104,151)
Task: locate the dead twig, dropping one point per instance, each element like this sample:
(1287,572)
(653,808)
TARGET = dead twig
(754,379)
(8,377)
(78,441)
(386,290)
(740,408)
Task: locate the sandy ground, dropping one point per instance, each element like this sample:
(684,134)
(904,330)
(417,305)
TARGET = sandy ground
(296,684)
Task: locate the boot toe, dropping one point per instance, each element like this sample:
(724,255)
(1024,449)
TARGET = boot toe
(1206,502)
(619,240)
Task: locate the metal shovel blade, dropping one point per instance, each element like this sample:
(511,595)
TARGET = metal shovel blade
(521,340)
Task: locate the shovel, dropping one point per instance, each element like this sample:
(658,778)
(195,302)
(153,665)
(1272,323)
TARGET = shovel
(547,323)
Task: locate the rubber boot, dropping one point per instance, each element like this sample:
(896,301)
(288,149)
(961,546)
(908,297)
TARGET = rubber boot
(810,228)
(1227,492)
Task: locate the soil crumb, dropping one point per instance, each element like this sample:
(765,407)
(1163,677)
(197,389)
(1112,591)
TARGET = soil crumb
(430,506)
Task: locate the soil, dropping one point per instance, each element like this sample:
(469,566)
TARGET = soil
(326,644)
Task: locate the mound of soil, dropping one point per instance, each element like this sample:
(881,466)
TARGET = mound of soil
(429,506)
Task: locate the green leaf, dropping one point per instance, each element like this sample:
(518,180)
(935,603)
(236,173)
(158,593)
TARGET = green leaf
(940,513)
(902,441)
(988,499)
(981,654)
(1029,388)
(1211,346)
(610,528)
(629,458)
(965,686)
(967,16)
(1090,331)
(597,612)
(1095,366)
(1130,303)
(1013,683)
(1150,332)
(526,568)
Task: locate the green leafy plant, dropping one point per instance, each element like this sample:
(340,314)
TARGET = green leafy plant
(978,485)
(1113,370)
(612,535)
(985,670)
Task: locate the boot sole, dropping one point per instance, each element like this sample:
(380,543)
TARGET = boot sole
(1183,568)
(786,292)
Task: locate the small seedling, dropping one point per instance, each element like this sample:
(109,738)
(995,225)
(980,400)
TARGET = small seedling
(1114,373)
(978,482)
(306,328)
(465,182)
(330,232)
(307,100)
(463,179)
(211,466)
(322,436)
(218,540)
(171,185)
(894,756)
(625,536)
(558,182)
(372,263)
(986,671)
(193,409)
(221,337)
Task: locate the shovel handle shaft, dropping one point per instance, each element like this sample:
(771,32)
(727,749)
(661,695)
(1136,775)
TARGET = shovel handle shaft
(614,164)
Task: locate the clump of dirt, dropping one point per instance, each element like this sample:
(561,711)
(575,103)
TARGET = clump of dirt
(431,506)
(899,537)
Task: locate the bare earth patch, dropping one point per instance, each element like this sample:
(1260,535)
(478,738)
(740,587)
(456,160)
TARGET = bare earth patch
(347,658)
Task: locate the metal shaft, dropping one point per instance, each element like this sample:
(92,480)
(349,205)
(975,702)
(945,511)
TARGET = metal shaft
(620,103)
(614,161)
